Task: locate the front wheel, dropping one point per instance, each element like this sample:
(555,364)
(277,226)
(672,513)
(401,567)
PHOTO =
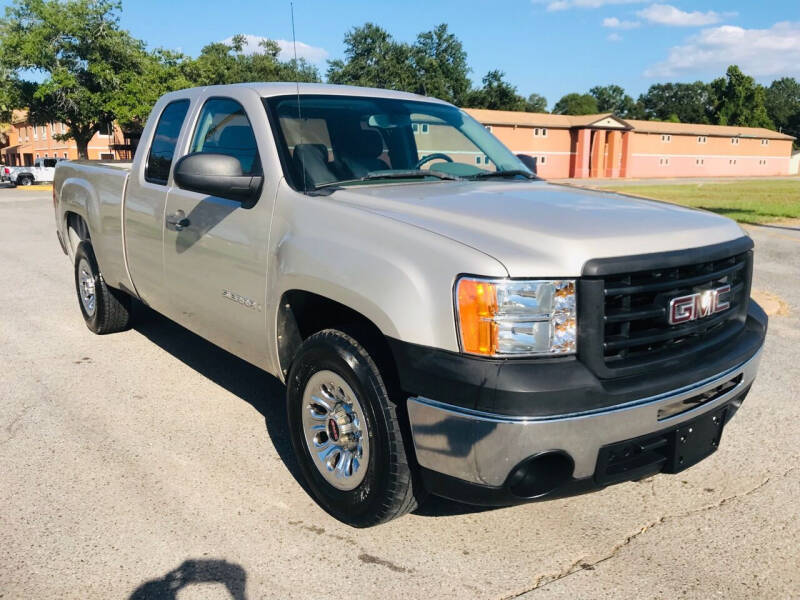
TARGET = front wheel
(105,309)
(346,433)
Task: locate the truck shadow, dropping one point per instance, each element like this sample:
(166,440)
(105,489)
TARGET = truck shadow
(261,390)
(191,572)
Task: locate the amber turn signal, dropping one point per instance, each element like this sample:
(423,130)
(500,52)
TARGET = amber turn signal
(477,306)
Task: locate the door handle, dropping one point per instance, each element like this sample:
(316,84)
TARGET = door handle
(178,220)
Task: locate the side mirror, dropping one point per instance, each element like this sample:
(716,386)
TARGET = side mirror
(217,175)
(528,161)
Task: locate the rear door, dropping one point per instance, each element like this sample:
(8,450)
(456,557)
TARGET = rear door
(215,264)
(145,201)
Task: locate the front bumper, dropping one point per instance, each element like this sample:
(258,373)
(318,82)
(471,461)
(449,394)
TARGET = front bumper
(471,454)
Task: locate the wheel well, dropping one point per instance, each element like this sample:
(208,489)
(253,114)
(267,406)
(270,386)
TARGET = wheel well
(302,314)
(77,230)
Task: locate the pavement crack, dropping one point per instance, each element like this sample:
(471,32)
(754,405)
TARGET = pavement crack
(582,564)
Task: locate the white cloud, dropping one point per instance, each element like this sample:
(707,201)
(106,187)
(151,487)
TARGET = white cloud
(614,37)
(310,53)
(553,5)
(615,23)
(665,14)
(759,52)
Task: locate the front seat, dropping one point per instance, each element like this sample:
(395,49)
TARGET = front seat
(310,162)
(360,151)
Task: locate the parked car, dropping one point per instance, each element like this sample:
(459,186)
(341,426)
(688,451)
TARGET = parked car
(444,322)
(42,171)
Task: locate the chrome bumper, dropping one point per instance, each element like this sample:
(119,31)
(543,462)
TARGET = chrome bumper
(483,448)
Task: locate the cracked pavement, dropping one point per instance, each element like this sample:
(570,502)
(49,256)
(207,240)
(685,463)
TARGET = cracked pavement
(149,464)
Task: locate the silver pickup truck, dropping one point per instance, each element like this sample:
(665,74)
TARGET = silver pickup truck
(444,321)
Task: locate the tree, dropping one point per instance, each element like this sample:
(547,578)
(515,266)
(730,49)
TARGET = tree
(373,59)
(686,102)
(496,94)
(613,99)
(783,105)
(740,100)
(440,63)
(576,104)
(536,103)
(82,54)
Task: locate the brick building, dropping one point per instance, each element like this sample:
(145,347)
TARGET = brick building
(28,142)
(606,146)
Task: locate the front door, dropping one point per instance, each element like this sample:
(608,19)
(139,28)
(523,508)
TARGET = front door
(215,263)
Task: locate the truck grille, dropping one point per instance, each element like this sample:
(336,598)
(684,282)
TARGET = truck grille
(631,328)
(635,316)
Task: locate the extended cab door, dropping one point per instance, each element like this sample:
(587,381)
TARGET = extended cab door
(215,262)
(145,202)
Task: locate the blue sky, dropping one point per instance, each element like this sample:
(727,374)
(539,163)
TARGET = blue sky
(550,47)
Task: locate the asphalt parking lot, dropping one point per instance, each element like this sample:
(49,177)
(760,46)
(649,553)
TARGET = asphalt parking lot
(150,464)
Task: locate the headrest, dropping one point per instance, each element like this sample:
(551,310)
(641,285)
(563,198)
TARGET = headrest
(367,143)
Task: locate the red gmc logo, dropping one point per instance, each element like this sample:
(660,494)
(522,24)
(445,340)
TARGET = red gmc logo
(697,306)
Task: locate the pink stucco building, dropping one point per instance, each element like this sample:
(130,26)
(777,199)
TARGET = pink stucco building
(606,146)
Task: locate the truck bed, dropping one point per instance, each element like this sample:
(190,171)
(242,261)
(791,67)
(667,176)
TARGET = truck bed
(96,189)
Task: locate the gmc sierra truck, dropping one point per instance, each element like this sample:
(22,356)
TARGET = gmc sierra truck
(444,321)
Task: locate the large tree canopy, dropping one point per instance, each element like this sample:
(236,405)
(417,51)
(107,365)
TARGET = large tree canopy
(684,102)
(576,104)
(81,54)
(740,100)
(613,99)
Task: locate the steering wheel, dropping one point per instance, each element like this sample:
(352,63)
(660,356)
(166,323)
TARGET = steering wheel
(430,157)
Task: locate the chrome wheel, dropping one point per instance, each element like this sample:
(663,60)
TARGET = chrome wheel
(86,287)
(335,430)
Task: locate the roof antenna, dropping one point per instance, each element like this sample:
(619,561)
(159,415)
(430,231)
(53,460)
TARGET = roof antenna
(299,116)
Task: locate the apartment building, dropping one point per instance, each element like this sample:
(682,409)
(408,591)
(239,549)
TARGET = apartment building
(606,146)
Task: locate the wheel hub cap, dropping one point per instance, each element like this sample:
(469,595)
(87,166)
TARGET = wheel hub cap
(86,286)
(335,430)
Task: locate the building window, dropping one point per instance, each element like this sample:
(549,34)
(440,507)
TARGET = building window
(486,160)
(735,141)
(415,127)
(666,138)
(44,132)
(424,128)
(536,132)
(765,142)
(65,155)
(35,133)
(701,139)
(663,162)
(540,132)
(477,160)
(699,161)
(542,160)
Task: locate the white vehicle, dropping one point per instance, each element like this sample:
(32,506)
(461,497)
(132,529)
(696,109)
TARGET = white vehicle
(42,171)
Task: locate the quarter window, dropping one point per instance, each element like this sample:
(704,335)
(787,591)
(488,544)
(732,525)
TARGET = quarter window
(223,128)
(162,149)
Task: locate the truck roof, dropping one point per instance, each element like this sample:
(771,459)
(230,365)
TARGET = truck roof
(283,88)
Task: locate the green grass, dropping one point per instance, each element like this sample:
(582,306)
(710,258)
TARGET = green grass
(746,201)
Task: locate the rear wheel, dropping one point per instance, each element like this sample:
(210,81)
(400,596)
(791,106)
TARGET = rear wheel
(105,309)
(25,180)
(346,433)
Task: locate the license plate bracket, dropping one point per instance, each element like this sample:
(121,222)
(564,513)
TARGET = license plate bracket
(695,440)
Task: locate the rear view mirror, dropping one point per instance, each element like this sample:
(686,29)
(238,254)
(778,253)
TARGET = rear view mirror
(217,175)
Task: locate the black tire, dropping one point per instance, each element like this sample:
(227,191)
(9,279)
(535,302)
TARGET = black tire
(25,180)
(112,307)
(387,490)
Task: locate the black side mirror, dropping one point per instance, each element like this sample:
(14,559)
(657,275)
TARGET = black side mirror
(528,161)
(217,175)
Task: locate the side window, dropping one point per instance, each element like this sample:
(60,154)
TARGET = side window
(223,128)
(159,160)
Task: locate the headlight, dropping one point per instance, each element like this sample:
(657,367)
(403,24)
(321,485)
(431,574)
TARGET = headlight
(504,317)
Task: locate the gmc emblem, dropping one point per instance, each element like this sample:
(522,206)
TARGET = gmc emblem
(697,306)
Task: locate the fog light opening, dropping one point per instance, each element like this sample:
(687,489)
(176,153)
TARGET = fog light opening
(540,474)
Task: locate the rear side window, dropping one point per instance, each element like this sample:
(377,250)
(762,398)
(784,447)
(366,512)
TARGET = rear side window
(223,128)
(159,160)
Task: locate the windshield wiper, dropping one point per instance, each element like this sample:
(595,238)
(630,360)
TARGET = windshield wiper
(406,174)
(509,173)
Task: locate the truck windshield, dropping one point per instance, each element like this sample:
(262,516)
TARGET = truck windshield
(344,140)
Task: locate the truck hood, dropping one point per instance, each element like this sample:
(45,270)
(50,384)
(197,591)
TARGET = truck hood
(536,229)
